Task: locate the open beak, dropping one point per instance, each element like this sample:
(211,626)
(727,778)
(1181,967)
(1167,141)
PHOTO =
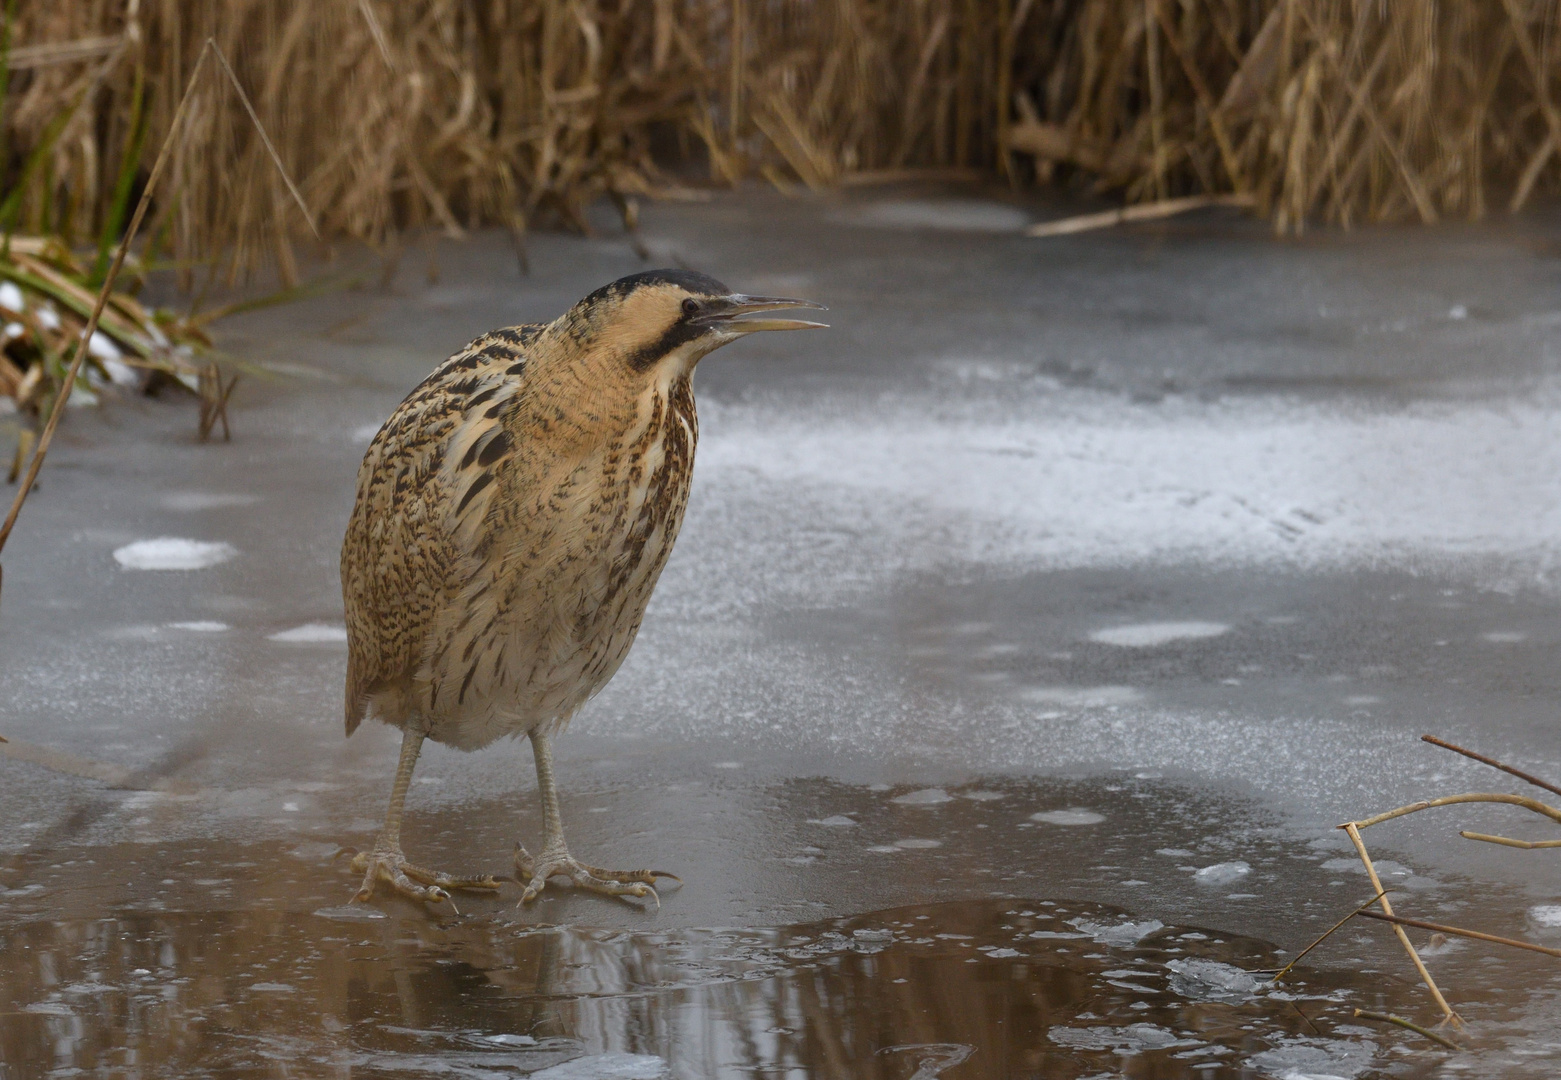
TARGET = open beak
(731,314)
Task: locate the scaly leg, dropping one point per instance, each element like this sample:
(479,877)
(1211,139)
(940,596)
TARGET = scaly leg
(386,863)
(555,860)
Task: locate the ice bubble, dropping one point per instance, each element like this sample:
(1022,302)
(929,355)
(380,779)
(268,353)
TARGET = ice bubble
(925,797)
(1118,934)
(1210,980)
(1222,873)
(1072,816)
(1148,635)
(1316,1059)
(1131,1039)
(615,1066)
(173,553)
(310,633)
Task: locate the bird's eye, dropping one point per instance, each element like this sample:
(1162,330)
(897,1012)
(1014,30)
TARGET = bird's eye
(691,306)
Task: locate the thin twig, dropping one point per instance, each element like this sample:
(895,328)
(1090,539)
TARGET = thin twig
(1441,928)
(102,301)
(1389,1018)
(1527,778)
(378,32)
(1542,809)
(1507,841)
(1326,935)
(1152,211)
(276,158)
(1387,909)
(120,253)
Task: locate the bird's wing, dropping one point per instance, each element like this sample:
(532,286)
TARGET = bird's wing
(425,473)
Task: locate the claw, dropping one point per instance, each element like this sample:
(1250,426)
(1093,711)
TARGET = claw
(535,873)
(428,886)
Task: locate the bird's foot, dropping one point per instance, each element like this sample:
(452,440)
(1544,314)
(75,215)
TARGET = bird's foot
(557,862)
(391,868)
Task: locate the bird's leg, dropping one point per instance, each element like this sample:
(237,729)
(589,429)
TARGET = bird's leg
(555,860)
(386,863)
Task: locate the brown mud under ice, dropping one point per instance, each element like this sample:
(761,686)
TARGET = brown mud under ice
(991,988)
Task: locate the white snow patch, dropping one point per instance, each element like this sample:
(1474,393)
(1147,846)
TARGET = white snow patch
(1148,635)
(310,634)
(200,626)
(1223,873)
(1505,637)
(837,821)
(913,843)
(173,553)
(11,297)
(1545,917)
(365,432)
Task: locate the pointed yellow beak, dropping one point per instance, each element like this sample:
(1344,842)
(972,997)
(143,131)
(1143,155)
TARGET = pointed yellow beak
(729,314)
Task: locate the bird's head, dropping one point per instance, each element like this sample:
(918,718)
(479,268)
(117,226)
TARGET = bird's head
(673,318)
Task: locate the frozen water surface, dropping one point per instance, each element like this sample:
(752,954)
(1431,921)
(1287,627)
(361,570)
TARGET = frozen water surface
(1126,556)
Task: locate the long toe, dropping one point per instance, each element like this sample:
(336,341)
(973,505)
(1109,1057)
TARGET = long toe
(414,882)
(535,872)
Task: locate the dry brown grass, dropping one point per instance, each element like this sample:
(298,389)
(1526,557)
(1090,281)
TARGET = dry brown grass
(458,113)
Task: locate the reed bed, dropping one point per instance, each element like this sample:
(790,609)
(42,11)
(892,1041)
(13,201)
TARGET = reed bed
(456,114)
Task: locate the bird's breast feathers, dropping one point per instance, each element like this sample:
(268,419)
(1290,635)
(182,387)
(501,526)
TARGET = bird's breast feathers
(507,542)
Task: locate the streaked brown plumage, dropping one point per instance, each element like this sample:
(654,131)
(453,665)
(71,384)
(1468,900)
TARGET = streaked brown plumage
(512,517)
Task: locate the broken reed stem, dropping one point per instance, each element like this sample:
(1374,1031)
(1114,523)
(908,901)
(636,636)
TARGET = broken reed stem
(276,159)
(1389,1018)
(1527,778)
(1504,841)
(102,301)
(1442,928)
(1326,935)
(1353,830)
(1542,809)
(1153,211)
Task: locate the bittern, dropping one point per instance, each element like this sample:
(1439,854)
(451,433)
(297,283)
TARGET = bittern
(512,518)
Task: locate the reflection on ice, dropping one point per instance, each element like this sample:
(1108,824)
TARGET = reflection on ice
(981,985)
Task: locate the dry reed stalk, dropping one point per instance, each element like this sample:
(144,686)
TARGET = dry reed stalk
(1352,830)
(106,293)
(452,114)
